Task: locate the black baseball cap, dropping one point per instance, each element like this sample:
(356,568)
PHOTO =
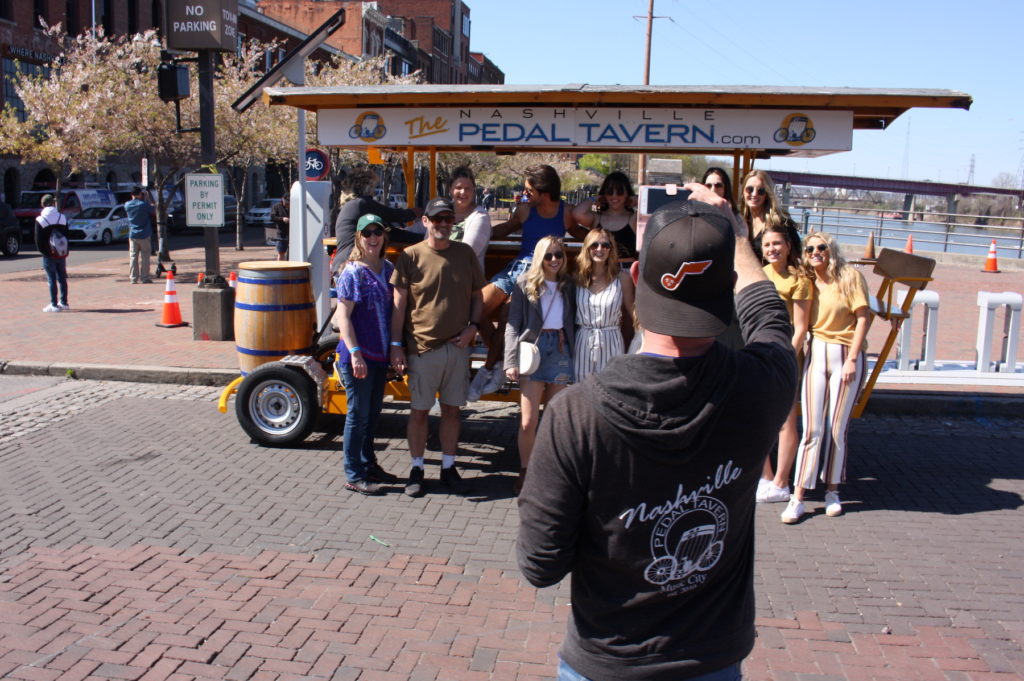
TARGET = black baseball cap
(685,287)
(437,206)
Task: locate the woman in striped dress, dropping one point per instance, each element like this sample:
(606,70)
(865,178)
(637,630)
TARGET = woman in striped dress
(833,372)
(604,304)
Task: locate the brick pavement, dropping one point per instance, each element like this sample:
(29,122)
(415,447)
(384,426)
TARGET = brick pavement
(143,537)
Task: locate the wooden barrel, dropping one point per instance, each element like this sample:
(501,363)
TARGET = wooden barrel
(274,312)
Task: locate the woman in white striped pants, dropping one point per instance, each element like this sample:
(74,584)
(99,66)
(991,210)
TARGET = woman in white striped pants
(833,373)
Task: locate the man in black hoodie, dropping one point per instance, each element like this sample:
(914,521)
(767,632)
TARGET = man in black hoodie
(642,480)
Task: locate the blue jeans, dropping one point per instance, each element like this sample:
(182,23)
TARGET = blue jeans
(56,273)
(365,397)
(730,673)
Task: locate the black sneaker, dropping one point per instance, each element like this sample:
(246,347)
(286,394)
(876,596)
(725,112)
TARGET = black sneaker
(451,479)
(377,474)
(370,489)
(414,488)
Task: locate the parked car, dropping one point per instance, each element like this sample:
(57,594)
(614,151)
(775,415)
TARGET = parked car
(397,201)
(71,203)
(259,214)
(176,216)
(99,225)
(10,233)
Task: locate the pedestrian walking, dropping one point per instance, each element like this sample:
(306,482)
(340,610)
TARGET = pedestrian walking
(51,237)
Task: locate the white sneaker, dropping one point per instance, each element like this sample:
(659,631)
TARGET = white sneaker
(51,308)
(833,506)
(476,386)
(794,511)
(496,380)
(64,307)
(762,489)
(770,494)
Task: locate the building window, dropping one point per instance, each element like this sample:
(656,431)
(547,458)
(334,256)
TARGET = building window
(108,17)
(39,10)
(11,73)
(133,17)
(5,10)
(465,25)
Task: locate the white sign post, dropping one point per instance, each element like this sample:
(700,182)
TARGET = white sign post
(204,200)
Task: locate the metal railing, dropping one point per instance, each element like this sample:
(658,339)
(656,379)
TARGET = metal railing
(932,231)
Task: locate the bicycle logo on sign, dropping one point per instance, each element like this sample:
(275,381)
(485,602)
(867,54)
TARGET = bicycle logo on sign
(314,163)
(369,127)
(797,130)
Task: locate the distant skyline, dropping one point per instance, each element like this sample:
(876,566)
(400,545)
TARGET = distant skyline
(904,44)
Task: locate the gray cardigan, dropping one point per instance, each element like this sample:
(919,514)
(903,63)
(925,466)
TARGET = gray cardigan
(525,320)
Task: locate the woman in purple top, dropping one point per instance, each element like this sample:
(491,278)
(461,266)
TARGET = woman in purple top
(363,317)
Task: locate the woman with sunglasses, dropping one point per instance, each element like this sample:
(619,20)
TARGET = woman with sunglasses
(833,374)
(472,223)
(542,311)
(781,249)
(604,298)
(363,317)
(761,207)
(613,211)
(717,180)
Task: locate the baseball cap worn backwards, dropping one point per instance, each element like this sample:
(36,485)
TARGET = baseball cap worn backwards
(437,206)
(685,287)
(47,200)
(367,220)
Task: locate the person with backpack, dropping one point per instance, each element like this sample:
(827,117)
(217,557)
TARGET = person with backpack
(51,234)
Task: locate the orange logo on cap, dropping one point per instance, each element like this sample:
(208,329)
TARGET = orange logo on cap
(671,281)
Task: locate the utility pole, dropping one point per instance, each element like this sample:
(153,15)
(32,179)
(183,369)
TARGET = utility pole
(641,173)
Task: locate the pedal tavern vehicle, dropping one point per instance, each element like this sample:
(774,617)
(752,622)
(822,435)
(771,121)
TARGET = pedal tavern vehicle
(279,400)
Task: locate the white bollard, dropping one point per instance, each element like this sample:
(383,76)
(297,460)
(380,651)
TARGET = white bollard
(987,304)
(930,301)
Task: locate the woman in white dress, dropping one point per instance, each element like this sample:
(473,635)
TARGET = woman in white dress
(604,304)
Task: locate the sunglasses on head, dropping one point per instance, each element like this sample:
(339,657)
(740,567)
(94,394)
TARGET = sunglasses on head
(367,233)
(760,191)
(821,248)
(600,244)
(714,185)
(557,255)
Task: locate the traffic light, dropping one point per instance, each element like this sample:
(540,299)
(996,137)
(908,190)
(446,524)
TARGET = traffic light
(172,82)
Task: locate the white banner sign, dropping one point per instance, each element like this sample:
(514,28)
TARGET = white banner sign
(593,128)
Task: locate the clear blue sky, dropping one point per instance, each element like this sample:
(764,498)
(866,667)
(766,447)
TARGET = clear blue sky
(974,47)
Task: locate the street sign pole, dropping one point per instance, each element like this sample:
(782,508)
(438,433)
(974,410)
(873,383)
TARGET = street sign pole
(213,300)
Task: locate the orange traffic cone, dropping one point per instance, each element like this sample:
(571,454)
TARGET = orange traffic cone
(233,280)
(869,249)
(199,277)
(909,248)
(991,262)
(172,312)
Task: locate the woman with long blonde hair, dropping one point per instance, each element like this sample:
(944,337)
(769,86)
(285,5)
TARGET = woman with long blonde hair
(604,304)
(761,206)
(542,311)
(833,374)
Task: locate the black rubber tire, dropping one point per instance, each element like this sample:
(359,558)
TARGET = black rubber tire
(107,237)
(276,405)
(12,245)
(326,351)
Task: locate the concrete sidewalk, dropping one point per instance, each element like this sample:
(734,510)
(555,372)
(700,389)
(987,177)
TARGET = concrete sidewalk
(110,332)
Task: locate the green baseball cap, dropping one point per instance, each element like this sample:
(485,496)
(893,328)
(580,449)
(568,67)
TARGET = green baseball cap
(367,220)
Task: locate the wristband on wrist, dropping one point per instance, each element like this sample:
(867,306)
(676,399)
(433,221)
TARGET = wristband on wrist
(396,344)
(353,350)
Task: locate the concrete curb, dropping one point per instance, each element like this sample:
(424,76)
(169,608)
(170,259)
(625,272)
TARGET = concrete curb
(883,401)
(113,372)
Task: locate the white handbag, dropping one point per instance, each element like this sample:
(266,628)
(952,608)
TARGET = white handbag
(529,358)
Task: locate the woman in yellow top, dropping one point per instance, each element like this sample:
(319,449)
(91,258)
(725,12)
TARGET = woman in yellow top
(834,372)
(780,247)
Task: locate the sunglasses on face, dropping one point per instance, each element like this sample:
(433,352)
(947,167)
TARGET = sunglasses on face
(557,255)
(821,248)
(600,244)
(750,191)
(714,185)
(367,233)
(442,219)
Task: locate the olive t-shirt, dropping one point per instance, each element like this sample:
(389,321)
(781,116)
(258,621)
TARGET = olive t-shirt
(832,316)
(441,285)
(791,286)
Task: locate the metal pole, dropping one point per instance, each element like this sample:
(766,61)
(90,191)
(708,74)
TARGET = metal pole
(302,245)
(208,156)
(641,172)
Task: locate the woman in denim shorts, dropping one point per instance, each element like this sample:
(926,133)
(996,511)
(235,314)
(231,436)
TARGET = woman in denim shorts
(542,311)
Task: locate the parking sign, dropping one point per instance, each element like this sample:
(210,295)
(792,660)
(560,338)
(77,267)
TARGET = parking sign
(204,200)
